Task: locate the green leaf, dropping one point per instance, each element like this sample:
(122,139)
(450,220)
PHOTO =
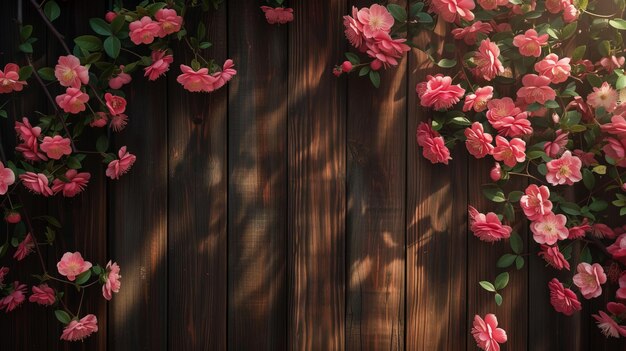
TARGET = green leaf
(364,70)
(205,45)
(416,7)
(622,212)
(423,17)
(83,277)
(551,104)
(102,144)
(604,47)
(25,72)
(3,249)
(201,31)
(97,270)
(52,10)
(598,205)
(618,23)
(62,316)
(26,32)
(516,242)
(50,235)
(570,208)
(498,299)
(506,260)
(535,154)
(461,121)
(487,286)
(579,53)
(73,163)
(118,24)
(569,30)
(446,63)
(353,58)
(494,194)
(542,169)
(594,80)
(112,46)
(51,220)
(398,12)
(3,114)
(588,179)
(375,78)
(601,169)
(515,196)
(100,26)
(519,262)
(89,42)
(509,212)
(46,73)
(25,48)
(501,280)
(620,83)
(585,255)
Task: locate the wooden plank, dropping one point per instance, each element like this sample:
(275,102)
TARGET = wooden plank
(257,202)
(376,188)
(197,242)
(316,169)
(436,229)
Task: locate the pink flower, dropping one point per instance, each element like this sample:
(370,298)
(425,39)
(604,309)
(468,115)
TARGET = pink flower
(451,10)
(487,334)
(555,6)
(478,100)
(425,132)
(73,101)
(118,80)
(43,295)
(571,13)
(169,21)
(57,146)
(436,151)
(513,126)
(15,298)
(589,279)
(496,172)
(621,292)
(556,70)
(3,273)
(439,93)
(10,79)
(70,73)
(564,170)
(24,248)
(7,178)
(491,4)
(478,142)
(488,65)
(562,299)
(144,31)
(602,231)
(280,15)
(26,132)
(498,109)
(579,231)
(604,96)
(509,152)
(616,149)
(608,324)
(487,227)
(76,183)
(119,167)
(100,120)
(549,229)
(72,265)
(587,158)
(78,330)
(386,50)
(37,183)
(116,104)
(618,249)
(554,257)
(617,126)
(225,75)
(354,29)
(469,33)
(119,122)
(530,43)
(160,64)
(112,284)
(535,203)
(196,81)
(556,147)
(375,19)
(536,89)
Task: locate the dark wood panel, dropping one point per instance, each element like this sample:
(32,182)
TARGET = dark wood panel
(257,191)
(197,242)
(316,171)
(376,146)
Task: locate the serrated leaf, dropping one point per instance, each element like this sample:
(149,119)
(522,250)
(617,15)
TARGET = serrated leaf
(516,242)
(569,30)
(502,280)
(506,260)
(52,10)
(487,286)
(62,316)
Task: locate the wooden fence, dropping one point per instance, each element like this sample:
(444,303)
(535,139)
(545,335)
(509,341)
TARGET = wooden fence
(289,210)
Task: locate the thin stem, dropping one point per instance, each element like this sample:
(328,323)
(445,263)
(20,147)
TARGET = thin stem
(49,24)
(132,53)
(80,304)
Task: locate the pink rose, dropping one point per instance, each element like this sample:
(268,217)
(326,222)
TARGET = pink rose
(553,256)
(120,79)
(439,93)
(112,283)
(72,265)
(618,249)
(43,295)
(556,70)
(37,183)
(469,34)
(487,334)
(382,48)
(7,178)
(530,43)
(478,142)
(479,99)
(226,74)
(80,329)
(562,299)
(425,132)
(436,151)
(57,146)
(115,104)
(498,109)
(492,4)
(196,81)
(76,183)
(374,20)
(604,96)
(536,89)
(589,279)
(169,21)
(556,147)
(160,64)
(451,10)
(509,152)
(118,167)
(488,65)
(70,73)
(15,298)
(280,15)
(25,247)
(515,126)
(10,79)
(535,202)
(549,229)
(73,101)
(354,29)
(564,170)
(144,31)
(487,227)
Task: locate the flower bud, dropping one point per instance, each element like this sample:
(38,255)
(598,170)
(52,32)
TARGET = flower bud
(496,172)
(346,66)
(376,65)
(337,71)
(12,217)
(110,16)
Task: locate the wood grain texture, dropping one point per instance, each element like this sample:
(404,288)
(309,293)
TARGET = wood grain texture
(197,176)
(257,191)
(316,170)
(436,229)
(376,143)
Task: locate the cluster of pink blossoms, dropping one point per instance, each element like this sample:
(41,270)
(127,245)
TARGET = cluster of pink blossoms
(277,15)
